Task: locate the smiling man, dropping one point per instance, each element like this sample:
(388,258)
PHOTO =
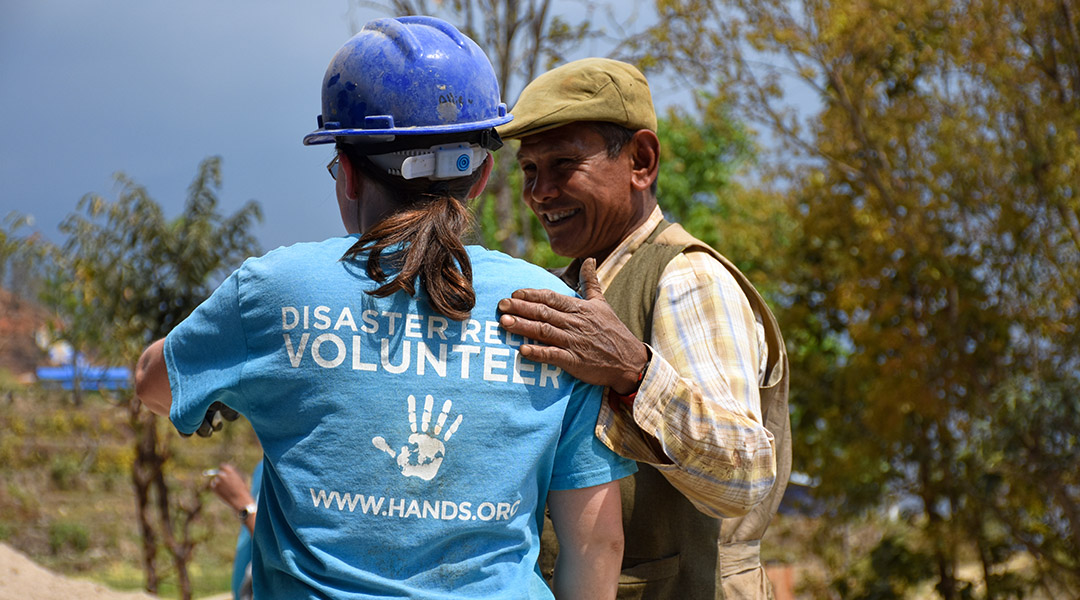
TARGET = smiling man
(692,357)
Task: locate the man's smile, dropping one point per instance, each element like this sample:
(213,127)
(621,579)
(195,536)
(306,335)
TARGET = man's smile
(559,215)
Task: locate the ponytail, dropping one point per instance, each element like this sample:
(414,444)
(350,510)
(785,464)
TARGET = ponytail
(429,227)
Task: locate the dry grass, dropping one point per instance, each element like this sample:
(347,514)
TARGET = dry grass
(803,556)
(66,500)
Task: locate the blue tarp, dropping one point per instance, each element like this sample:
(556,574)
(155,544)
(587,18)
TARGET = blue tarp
(90,377)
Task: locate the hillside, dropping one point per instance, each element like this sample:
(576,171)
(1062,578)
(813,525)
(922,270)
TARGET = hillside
(67,502)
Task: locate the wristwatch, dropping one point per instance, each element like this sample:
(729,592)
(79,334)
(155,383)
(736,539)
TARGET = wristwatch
(247,511)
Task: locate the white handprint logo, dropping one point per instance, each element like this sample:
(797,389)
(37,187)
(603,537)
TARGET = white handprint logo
(424,454)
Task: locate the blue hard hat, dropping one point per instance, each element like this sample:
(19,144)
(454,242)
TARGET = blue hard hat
(407,76)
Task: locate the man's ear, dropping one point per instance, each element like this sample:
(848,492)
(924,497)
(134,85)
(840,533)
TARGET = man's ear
(478,187)
(645,159)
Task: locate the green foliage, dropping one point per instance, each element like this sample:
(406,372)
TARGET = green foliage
(23,502)
(8,381)
(1024,463)
(890,572)
(20,256)
(10,243)
(702,155)
(126,275)
(112,461)
(68,535)
(65,471)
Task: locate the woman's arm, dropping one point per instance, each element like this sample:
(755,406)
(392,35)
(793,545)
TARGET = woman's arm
(152,379)
(588,523)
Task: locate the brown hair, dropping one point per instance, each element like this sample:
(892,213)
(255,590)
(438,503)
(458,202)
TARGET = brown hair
(430,222)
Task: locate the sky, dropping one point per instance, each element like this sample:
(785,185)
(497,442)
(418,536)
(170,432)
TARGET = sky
(89,88)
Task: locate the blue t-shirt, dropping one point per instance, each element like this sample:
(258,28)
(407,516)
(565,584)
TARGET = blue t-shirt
(406,455)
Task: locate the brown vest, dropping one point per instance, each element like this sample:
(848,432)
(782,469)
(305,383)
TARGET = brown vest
(673,551)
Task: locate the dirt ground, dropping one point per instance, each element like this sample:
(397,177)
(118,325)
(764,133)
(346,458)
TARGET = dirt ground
(23,579)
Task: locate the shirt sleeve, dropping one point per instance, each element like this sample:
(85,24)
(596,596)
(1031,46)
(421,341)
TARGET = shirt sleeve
(580,459)
(205,356)
(697,415)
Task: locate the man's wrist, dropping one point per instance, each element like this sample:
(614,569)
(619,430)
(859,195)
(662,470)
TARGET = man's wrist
(628,397)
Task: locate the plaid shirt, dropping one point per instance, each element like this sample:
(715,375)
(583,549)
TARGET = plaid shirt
(697,415)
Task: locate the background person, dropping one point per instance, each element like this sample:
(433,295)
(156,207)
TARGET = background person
(702,403)
(409,448)
(229,486)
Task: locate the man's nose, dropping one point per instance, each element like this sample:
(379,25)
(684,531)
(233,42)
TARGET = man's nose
(543,188)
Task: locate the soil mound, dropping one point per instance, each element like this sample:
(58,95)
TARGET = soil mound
(23,579)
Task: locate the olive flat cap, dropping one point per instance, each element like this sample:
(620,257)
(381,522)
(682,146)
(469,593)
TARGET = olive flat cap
(590,89)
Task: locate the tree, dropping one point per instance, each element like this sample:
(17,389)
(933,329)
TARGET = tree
(932,301)
(20,275)
(704,154)
(20,256)
(125,276)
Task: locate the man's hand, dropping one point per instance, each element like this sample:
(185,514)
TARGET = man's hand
(582,337)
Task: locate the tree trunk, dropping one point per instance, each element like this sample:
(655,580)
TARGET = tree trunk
(936,526)
(141,479)
(179,556)
(76,379)
(987,561)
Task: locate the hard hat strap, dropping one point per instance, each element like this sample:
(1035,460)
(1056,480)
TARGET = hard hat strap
(445,161)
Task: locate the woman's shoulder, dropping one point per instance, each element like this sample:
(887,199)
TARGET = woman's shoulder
(491,267)
(302,253)
(297,262)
